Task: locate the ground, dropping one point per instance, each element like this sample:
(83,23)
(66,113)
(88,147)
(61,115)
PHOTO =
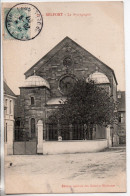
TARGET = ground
(83,172)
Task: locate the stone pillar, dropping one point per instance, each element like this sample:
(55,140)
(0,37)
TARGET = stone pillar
(10,138)
(108,136)
(40,137)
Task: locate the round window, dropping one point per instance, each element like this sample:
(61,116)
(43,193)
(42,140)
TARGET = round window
(67,61)
(66,84)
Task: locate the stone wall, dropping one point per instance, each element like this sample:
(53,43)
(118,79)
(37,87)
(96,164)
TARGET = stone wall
(36,111)
(70,147)
(51,67)
(82,66)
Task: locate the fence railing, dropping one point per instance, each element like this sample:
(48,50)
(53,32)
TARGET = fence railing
(67,132)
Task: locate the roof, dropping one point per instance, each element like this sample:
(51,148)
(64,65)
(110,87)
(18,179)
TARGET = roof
(36,81)
(121,100)
(8,91)
(57,48)
(56,101)
(99,78)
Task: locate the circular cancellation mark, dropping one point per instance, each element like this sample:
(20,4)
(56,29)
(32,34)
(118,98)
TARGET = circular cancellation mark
(24,22)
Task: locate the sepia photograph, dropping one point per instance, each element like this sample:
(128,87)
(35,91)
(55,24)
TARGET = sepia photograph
(64,97)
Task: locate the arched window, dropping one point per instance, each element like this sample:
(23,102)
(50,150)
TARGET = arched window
(32,101)
(33,128)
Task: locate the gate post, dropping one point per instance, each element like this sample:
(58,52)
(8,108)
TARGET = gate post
(108,136)
(40,137)
(10,139)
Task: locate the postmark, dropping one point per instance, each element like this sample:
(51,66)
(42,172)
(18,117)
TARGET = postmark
(24,21)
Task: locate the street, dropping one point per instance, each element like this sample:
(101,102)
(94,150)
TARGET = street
(84,172)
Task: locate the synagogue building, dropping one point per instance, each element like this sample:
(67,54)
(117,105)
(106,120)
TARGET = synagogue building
(46,84)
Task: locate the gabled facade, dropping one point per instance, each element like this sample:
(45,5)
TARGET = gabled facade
(48,80)
(81,64)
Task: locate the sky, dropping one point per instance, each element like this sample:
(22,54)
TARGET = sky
(101,33)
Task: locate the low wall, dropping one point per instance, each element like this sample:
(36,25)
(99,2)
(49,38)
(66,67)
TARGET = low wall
(73,146)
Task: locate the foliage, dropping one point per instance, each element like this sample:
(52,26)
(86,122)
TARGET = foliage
(87,103)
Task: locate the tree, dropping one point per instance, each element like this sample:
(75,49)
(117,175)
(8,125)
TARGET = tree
(87,103)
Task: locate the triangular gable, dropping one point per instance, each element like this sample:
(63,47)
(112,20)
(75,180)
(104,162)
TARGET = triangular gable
(58,47)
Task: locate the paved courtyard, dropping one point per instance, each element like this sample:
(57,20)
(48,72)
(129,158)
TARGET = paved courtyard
(84,172)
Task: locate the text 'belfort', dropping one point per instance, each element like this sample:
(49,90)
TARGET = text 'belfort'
(68,14)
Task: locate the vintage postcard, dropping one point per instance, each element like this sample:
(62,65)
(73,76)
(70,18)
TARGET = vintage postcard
(64,97)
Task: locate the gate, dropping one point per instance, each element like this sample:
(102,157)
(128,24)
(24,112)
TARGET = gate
(25,148)
(23,145)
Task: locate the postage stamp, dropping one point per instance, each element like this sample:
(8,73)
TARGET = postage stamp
(23,22)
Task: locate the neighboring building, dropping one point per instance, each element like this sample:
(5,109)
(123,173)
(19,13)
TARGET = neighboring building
(46,84)
(121,117)
(9,100)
